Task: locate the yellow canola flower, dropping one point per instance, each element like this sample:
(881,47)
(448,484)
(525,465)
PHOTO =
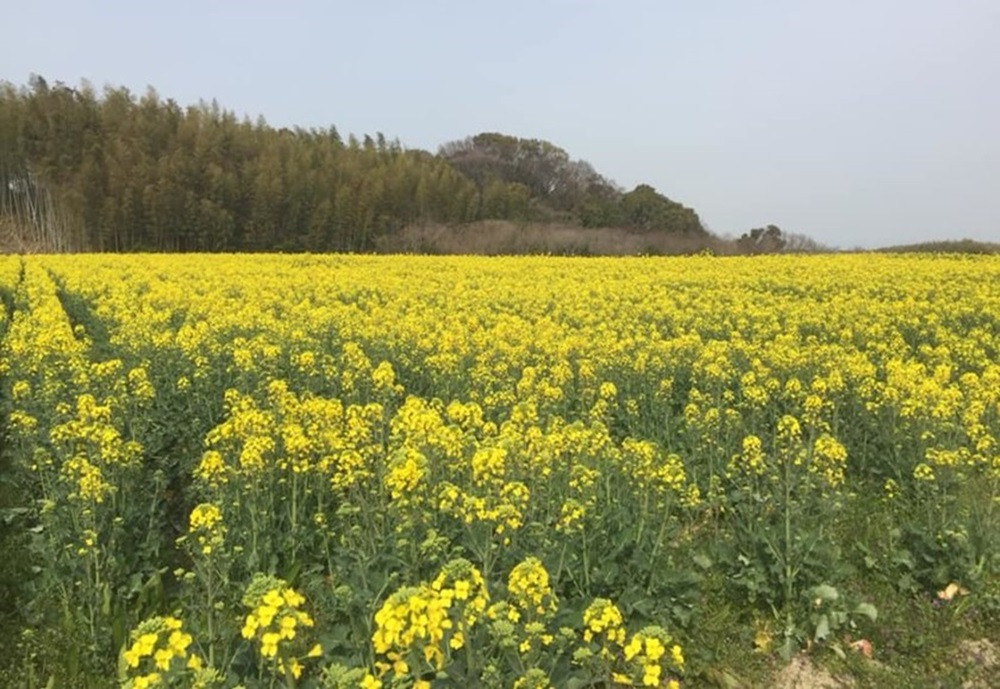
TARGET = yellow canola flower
(369,681)
(144,681)
(646,655)
(528,585)
(603,620)
(274,621)
(159,647)
(205,516)
(269,644)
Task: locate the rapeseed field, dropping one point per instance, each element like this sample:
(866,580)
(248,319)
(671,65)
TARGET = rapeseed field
(354,471)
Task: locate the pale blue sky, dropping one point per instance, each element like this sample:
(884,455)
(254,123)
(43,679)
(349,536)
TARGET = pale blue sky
(859,123)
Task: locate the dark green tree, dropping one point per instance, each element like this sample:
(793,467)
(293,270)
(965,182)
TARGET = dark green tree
(762,240)
(646,210)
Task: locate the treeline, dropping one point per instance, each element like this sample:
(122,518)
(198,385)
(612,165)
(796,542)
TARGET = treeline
(116,172)
(952,246)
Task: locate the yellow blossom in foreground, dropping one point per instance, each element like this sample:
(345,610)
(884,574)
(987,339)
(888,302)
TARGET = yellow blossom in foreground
(159,647)
(275,621)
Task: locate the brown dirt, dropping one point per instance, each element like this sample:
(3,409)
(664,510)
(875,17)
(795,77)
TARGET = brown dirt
(982,657)
(801,673)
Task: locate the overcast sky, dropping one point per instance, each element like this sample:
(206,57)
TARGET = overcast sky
(859,123)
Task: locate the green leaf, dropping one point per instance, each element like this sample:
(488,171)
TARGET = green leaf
(9,514)
(905,582)
(822,629)
(825,592)
(723,679)
(787,649)
(644,606)
(903,558)
(703,561)
(866,609)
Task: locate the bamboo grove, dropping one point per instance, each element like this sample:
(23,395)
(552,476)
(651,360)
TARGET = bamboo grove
(110,171)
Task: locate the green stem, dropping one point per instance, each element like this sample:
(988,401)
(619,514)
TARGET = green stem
(642,518)
(295,514)
(657,545)
(562,556)
(788,545)
(211,615)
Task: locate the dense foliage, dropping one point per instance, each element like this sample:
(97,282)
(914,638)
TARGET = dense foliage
(113,172)
(360,471)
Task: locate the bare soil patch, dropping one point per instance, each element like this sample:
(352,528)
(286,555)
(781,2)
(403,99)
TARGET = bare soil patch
(802,673)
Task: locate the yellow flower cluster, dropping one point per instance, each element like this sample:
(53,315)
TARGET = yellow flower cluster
(663,473)
(291,434)
(412,618)
(829,459)
(407,469)
(274,620)
(212,470)
(571,515)
(22,423)
(207,527)
(92,433)
(529,589)
(87,479)
(469,595)
(602,620)
(423,623)
(139,385)
(648,658)
(159,649)
(751,460)
(530,605)
(647,652)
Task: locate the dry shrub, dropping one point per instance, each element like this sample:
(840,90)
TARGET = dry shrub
(13,240)
(491,237)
